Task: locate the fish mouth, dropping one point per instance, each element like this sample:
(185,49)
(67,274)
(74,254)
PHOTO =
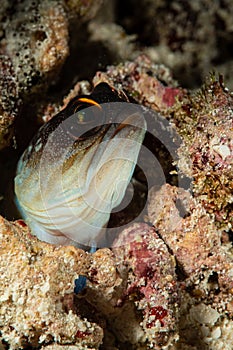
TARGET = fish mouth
(113,161)
(106,166)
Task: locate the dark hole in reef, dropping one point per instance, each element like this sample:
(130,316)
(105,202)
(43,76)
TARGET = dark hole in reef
(25,126)
(230,235)
(135,205)
(162,154)
(181,274)
(148,173)
(213,283)
(86,310)
(129,16)
(40,35)
(190,289)
(223,42)
(213,278)
(94,56)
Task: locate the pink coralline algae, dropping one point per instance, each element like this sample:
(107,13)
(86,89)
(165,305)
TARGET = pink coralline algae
(151,283)
(191,235)
(144,81)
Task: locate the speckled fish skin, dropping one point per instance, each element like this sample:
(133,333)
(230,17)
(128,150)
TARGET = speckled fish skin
(66,186)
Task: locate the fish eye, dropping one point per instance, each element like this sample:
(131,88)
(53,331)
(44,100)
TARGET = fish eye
(85,120)
(89,115)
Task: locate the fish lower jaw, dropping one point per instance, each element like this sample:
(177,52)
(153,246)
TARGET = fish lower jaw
(44,235)
(57,238)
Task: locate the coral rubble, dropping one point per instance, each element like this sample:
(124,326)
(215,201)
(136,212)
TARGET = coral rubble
(151,283)
(36,280)
(205,121)
(160,286)
(34,47)
(9,100)
(166,283)
(191,38)
(206,264)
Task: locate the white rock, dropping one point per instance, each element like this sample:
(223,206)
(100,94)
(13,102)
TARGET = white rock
(204,314)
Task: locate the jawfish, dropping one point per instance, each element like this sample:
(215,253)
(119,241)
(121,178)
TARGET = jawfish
(77,168)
